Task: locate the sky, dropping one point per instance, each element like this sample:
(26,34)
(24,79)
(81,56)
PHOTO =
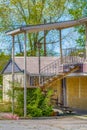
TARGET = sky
(68,40)
(5,43)
(69,37)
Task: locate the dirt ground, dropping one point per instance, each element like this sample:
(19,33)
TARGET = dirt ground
(61,123)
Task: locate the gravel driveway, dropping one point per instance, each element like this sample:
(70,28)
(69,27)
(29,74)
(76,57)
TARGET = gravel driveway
(64,123)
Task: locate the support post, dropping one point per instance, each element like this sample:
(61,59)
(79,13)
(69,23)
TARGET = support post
(12,74)
(45,51)
(64,92)
(39,46)
(39,61)
(25,87)
(86,41)
(60,40)
(39,57)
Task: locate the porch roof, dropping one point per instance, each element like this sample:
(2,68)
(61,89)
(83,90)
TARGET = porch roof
(48,26)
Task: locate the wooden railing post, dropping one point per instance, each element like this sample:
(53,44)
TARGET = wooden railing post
(61,55)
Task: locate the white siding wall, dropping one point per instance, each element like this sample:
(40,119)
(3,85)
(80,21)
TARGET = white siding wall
(7,79)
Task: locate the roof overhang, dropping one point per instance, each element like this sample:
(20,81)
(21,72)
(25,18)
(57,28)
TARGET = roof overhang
(48,26)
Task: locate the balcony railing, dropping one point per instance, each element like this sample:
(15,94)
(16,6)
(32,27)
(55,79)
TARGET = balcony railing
(74,52)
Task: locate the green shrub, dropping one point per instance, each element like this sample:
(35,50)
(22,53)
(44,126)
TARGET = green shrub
(5,107)
(19,102)
(38,103)
(33,111)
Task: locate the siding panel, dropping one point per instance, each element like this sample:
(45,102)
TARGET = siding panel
(77,92)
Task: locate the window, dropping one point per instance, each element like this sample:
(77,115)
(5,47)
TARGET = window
(34,80)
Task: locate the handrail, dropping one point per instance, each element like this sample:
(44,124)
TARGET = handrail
(52,68)
(74,52)
(74,56)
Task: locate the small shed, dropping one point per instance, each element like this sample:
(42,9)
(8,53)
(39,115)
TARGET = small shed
(32,73)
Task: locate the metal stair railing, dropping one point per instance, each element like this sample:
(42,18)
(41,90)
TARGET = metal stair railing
(56,67)
(52,68)
(74,56)
(50,82)
(70,56)
(73,59)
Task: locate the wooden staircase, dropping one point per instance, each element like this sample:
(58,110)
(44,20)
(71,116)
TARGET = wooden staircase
(57,71)
(59,107)
(71,68)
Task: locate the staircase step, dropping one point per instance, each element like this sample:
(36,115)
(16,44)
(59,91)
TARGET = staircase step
(63,111)
(67,70)
(71,66)
(60,74)
(46,82)
(50,79)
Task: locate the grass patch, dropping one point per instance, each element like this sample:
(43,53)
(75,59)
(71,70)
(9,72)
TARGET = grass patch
(5,107)
(0,94)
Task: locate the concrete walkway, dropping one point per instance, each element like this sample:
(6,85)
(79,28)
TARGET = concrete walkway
(64,123)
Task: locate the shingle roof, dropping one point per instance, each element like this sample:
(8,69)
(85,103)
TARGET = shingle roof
(33,64)
(8,68)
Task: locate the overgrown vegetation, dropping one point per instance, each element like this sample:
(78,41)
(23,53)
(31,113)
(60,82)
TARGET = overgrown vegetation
(3,60)
(30,12)
(5,107)
(0,94)
(38,103)
(78,9)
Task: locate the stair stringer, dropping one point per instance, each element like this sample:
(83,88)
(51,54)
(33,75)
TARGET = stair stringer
(60,106)
(60,76)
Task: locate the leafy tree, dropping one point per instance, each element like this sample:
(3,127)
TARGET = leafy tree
(3,60)
(78,9)
(19,12)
